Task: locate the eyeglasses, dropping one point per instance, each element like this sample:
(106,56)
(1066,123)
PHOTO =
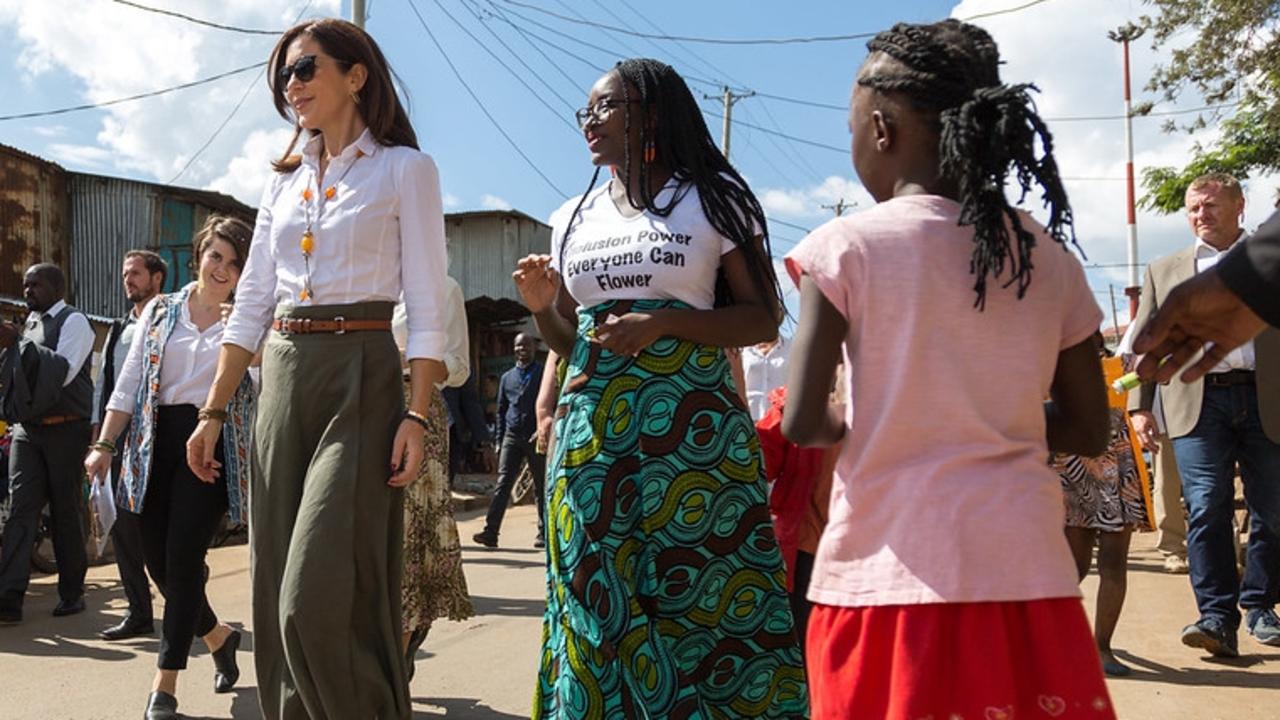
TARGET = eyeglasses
(304,68)
(600,111)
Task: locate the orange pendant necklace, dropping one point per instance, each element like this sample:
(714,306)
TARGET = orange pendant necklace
(308,241)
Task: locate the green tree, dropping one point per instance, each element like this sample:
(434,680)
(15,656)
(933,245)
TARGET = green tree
(1233,62)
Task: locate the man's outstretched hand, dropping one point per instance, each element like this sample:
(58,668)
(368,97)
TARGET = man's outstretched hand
(1199,313)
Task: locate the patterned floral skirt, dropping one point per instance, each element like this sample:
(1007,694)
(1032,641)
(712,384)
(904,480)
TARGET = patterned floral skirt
(1108,492)
(666,591)
(433,585)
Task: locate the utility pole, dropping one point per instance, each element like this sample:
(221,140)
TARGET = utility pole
(839,207)
(728,98)
(357,13)
(1115,317)
(1124,35)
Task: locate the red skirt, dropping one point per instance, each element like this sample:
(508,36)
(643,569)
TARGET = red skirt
(1032,660)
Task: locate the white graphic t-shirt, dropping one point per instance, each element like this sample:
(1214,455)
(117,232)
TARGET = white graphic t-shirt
(646,257)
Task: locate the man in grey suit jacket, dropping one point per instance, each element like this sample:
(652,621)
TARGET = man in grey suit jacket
(1230,415)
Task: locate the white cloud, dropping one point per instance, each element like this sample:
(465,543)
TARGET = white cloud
(51,131)
(808,202)
(248,172)
(111,51)
(83,155)
(493,202)
(451,201)
(1079,74)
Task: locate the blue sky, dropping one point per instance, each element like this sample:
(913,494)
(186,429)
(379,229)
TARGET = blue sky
(59,52)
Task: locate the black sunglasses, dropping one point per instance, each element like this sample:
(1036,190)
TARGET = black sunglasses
(304,68)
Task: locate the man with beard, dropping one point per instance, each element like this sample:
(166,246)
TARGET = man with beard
(143,276)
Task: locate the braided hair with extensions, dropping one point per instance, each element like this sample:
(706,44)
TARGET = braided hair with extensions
(680,139)
(986,130)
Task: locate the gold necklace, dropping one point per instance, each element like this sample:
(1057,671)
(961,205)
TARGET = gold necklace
(308,242)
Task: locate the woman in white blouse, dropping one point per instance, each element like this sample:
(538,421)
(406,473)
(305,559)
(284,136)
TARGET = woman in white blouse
(165,378)
(343,230)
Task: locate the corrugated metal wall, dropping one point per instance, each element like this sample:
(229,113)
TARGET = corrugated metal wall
(109,216)
(33,217)
(484,249)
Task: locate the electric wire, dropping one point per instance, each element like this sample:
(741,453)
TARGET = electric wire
(502,131)
(739,41)
(569,105)
(196,20)
(481,14)
(537,96)
(245,96)
(131,98)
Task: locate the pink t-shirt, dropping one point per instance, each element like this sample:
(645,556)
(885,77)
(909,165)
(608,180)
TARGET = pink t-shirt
(942,492)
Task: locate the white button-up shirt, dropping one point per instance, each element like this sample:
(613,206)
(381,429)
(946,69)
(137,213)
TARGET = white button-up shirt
(1242,357)
(457,355)
(187,370)
(764,371)
(380,236)
(75,340)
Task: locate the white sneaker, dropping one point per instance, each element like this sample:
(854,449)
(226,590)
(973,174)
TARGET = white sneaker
(1175,565)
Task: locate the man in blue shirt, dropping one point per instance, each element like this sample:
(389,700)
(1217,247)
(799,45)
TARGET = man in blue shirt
(516,429)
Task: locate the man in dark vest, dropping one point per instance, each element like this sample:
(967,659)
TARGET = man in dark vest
(49,447)
(143,276)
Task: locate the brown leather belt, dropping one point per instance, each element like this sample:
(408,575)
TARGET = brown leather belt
(58,419)
(336,326)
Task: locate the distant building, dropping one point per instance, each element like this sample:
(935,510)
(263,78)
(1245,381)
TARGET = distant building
(85,223)
(484,247)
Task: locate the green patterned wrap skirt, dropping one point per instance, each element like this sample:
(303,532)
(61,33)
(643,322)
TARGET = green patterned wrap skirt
(666,591)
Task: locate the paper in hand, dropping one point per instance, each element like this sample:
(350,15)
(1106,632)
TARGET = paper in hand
(103,503)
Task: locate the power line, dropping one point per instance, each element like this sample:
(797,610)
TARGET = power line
(481,14)
(791,225)
(1159,113)
(689,38)
(739,41)
(198,21)
(539,78)
(131,98)
(793,138)
(1005,11)
(483,109)
(554,31)
(217,131)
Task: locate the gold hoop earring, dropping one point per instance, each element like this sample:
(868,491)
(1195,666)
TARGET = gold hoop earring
(355,97)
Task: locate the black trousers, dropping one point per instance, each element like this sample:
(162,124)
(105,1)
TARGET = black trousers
(45,466)
(180,514)
(800,605)
(126,540)
(515,448)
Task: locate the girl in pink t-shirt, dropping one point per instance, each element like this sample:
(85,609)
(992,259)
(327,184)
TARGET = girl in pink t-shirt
(943,584)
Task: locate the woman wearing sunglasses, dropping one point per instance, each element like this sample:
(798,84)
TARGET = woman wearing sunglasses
(666,590)
(344,228)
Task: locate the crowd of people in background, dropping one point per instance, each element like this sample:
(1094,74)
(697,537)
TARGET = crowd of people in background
(735,523)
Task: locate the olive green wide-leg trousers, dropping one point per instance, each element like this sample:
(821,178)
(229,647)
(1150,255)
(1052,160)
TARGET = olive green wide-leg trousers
(326,529)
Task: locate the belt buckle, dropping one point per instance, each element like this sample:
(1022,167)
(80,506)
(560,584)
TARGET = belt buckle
(342,325)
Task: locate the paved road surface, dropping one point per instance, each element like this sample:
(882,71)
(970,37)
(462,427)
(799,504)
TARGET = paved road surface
(483,669)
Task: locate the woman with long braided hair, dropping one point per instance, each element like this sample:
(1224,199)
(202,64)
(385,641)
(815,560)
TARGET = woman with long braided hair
(943,584)
(666,591)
